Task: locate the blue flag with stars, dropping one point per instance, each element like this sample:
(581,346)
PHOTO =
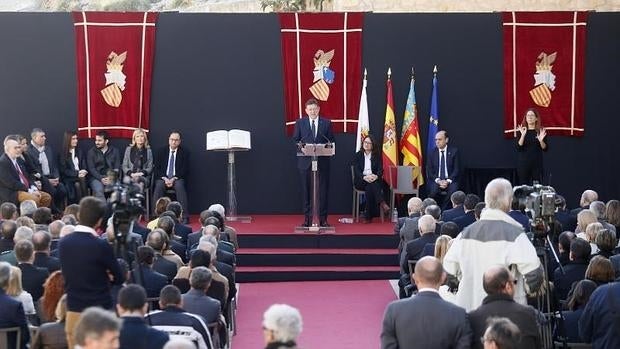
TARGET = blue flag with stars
(433,124)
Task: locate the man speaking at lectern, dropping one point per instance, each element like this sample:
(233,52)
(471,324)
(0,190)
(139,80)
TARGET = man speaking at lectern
(308,130)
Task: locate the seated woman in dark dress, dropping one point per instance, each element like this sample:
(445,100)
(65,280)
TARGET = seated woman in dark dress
(138,159)
(73,168)
(367,176)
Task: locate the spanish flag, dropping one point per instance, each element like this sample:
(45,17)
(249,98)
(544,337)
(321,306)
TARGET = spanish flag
(410,139)
(390,156)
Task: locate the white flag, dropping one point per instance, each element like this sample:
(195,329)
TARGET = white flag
(363,126)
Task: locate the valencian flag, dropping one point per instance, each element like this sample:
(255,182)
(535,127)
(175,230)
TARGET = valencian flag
(390,156)
(433,121)
(544,69)
(363,125)
(410,145)
(114,59)
(322,59)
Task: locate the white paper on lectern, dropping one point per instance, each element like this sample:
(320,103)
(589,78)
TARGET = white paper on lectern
(222,140)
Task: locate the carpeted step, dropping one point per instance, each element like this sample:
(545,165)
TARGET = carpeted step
(315,273)
(313,240)
(316,257)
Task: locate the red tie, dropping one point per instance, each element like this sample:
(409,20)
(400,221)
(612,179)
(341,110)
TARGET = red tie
(21,175)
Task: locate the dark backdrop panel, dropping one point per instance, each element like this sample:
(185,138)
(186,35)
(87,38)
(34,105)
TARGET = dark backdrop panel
(222,71)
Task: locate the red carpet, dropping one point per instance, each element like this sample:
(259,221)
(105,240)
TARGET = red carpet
(336,314)
(285,224)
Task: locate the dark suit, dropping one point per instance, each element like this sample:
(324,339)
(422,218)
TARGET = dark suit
(75,186)
(414,248)
(43,260)
(165,267)
(135,334)
(182,231)
(229,273)
(373,191)
(432,173)
(197,302)
(425,321)
(12,315)
(568,221)
(521,218)
(181,171)
(152,281)
(465,220)
(9,180)
(303,134)
(451,214)
(33,279)
(502,305)
(574,271)
(59,193)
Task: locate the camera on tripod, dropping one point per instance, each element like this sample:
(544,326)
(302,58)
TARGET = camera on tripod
(539,201)
(126,199)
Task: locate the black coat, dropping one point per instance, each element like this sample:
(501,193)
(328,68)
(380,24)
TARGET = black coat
(135,334)
(10,183)
(181,162)
(43,260)
(33,279)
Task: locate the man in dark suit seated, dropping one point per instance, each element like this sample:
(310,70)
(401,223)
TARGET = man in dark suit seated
(180,229)
(46,162)
(196,300)
(517,212)
(42,241)
(33,278)
(144,274)
(499,284)
(471,200)
(425,320)
(12,314)
(414,248)
(7,229)
(574,271)
(166,223)
(457,199)
(414,209)
(171,171)
(158,240)
(135,333)
(442,169)
(564,216)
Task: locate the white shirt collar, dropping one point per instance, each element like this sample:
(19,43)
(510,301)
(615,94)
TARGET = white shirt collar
(86,229)
(428,289)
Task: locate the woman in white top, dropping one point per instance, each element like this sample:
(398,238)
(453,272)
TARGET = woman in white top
(16,291)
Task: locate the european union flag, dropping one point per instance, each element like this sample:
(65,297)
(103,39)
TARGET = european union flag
(433,122)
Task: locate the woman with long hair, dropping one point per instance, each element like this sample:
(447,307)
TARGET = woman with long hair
(73,168)
(569,327)
(53,289)
(138,159)
(367,176)
(52,335)
(530,147)
(612,213)
(17,292)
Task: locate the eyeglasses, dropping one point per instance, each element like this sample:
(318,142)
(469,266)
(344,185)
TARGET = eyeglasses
(367,142)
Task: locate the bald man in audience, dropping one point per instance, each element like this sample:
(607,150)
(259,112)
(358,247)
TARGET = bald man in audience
(425,320)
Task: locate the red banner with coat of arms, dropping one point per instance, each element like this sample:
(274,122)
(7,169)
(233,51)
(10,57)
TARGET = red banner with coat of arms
(322,59)
(544,69)
(114,59)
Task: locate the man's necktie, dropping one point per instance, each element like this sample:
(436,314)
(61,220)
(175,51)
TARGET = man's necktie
(170,173)
(313,130)
(22,178)
(442,165)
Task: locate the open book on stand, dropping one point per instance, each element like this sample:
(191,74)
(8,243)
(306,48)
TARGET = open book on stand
(225,140)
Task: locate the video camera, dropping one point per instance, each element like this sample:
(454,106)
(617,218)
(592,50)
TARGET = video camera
(126,200)
(539,200)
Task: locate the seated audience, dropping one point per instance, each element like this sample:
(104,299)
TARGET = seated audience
(97,328)
(144,274)
(230,231)
(600,271)
(158,240)
(425,320)
(160,207)
(599,322)
(22,233)
(501,333)
(16,291)
(414,248)
(564,216)
(135,333)
(574,270)
(53,290)
(174,320)
(587,197)
(499,284)
(568,329)
(457,199)
(181,230)
(606,242)
(101,161)
(73,169)
(27,208)
(589,235)
(176,252)
(42,242)
(599,209)
(8,229)
(51,335)
(33,277)
(518,214)
(478,210)
(12,314)
(564,241)
(469,205)
(196,300)
(584,218)
(8,211)
(406,227)
(282,324)
(612,213)
(450,228)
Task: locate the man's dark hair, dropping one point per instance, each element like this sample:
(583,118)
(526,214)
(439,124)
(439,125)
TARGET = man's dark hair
(157,239)
(580,249)
(470,201)
(166,223)
(8,210)
(427,202)
(581,294)
(41,240)
(92,209)
(517,205)
(200,258)
(175,207)
(169,295)
(103,134)
(177,132)
(478,209)
(23,250)
(458,197)
(8,229)
(220,220)
(433,210)
(312,101)
(494,281)
(132,297)
(560,201)
(42,215)
(450,228)
(200,278)
(146,255)
(565,239)
(503,332)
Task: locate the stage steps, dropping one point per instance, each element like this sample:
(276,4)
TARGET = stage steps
(316,257)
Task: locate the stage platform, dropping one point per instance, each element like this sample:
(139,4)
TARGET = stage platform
(271,250)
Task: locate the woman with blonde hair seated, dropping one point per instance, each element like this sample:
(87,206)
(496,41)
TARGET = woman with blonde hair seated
(138,159)
(16,291)
(590,234)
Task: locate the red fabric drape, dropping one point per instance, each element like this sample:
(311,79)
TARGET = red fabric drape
(544,68)
(114,53)
(322,59)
